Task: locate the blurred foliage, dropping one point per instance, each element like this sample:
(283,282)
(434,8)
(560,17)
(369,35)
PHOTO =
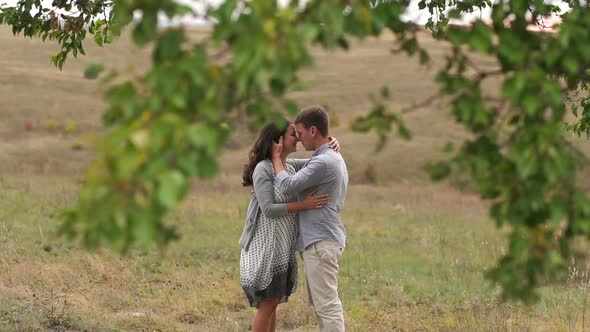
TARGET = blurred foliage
(171,124)
(93,70)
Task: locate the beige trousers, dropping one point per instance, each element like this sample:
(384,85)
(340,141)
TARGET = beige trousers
(320,261)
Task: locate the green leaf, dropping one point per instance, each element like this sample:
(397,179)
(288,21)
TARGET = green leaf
(93,70)
(385,92)
(438,171)
(480,37)
(172,186)
(98,38)
(207,168)
(291,107)
(559,211)
(205,136)
(145,31)
(404,132)
(169,45)
(277,87)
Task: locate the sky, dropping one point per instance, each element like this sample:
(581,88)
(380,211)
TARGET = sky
(413,14)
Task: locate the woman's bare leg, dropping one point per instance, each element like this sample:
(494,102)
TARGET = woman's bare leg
(263,317)
(273,322)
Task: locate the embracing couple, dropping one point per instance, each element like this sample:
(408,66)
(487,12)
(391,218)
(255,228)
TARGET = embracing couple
(294,207)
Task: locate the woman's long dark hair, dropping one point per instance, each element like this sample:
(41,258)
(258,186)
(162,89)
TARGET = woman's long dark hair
(262,149)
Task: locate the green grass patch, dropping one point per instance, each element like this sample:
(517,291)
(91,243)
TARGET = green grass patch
(404,268)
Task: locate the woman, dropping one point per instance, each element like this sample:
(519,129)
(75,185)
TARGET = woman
(268,267)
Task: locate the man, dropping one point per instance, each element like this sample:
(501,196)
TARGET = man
(322,236)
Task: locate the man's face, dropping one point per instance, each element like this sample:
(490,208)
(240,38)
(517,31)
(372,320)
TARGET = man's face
(305,136)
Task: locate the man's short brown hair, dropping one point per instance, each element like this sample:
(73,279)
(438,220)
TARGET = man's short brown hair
(314,116)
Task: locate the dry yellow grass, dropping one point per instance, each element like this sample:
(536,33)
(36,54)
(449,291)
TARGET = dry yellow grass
(416,251)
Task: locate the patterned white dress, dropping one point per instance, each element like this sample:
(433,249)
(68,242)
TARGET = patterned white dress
(268,270)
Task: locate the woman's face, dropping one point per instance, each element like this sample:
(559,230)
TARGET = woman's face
(290,140)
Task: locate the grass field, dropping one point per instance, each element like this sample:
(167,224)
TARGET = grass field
(416,251)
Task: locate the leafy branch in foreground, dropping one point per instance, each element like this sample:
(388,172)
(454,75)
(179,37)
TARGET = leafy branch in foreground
(66,22)
(529,173)
(171,124)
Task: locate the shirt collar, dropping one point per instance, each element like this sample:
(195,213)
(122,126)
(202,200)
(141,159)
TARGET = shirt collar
(322,149)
